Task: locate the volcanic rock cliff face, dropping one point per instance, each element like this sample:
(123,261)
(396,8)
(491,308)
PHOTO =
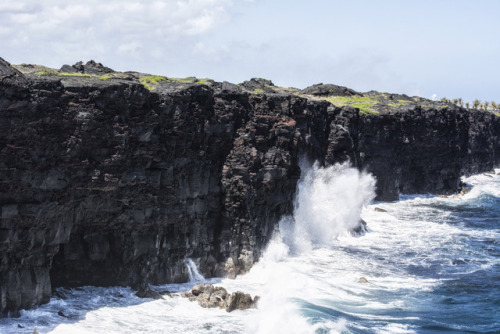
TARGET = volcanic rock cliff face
(104,182)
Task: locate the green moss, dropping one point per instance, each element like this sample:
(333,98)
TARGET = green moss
(151,81)
(47,72)
(365,107)
(404,101)
(258,91)
(75,75)
(106,76)
(399,103)
(365,104)
(183,80)
(203,81)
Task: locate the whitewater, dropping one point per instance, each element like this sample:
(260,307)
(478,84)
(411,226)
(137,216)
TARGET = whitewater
(424,264)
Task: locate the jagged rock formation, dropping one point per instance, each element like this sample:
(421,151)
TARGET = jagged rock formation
(106,182)
(210,296)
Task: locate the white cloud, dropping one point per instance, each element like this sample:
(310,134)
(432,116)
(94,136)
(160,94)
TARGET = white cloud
(111,27)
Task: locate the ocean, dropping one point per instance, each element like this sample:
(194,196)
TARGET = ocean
(424,264)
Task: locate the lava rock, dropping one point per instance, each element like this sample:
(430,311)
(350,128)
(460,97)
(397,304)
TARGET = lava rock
(114,183)
(209,296)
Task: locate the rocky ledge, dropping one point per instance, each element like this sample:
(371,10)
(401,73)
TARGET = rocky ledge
(115,178)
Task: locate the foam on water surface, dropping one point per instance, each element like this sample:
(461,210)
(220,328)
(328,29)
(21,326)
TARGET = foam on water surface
(427,262)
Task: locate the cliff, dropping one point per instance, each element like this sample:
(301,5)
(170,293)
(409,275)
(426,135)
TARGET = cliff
(112,178)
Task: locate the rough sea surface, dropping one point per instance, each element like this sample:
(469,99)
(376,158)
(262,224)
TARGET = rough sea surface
(424,264)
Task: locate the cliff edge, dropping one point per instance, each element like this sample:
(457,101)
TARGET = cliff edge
(115,178)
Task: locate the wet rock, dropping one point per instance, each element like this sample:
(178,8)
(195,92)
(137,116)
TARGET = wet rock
(209,296)
(218,297)
(144,291)
(361,228)
(187,294)
(465,190)
(362,280)
(112,182)
(377,209)
(202,288)
(239,301)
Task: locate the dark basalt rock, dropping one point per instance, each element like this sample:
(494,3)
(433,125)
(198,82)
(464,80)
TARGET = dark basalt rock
(329,90)
(104,182)
(263,85)
(144,291)
(91,67)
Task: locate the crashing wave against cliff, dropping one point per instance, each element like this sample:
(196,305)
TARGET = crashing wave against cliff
(112,178)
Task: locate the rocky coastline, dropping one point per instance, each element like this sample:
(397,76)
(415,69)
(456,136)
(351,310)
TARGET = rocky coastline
(115,178)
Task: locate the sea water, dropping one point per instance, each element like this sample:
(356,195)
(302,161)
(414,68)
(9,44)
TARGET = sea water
(424,264)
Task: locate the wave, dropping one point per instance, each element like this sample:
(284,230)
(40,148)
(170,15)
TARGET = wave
(328,204)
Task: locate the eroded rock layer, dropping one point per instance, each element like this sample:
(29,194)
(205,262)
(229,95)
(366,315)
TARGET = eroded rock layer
(106,182)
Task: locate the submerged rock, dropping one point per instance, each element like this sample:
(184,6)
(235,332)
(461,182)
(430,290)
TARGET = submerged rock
(145,291)
(465,190)
(362,280)
(361,228)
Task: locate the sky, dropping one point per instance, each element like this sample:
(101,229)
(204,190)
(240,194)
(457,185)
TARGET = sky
(433,49)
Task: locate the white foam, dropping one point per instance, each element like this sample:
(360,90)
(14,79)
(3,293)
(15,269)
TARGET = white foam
(193,273)
(328,204)
(308,278)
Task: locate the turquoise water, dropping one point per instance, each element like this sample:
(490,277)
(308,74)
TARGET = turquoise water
(429,265)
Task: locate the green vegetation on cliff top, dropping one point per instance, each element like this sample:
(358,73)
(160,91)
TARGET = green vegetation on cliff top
(367,103)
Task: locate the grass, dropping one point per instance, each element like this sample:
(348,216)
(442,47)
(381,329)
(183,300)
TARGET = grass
(399,103)
(47,72)
(203,80)
(364,103)
(183,80)
(106,76)
(189,80)
(151,81)
(258,91)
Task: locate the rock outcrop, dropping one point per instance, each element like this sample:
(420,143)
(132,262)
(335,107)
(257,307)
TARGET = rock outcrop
(210,296)
(111,178)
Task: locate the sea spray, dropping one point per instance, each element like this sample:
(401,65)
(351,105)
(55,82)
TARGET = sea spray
(328,204)
(430,263)
(193,273)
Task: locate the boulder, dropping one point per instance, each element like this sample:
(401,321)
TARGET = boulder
(218,297)
(209,296)
(202,288)
(91,67)
(240,301)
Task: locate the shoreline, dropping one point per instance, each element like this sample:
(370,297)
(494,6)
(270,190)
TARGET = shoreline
(111,182)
